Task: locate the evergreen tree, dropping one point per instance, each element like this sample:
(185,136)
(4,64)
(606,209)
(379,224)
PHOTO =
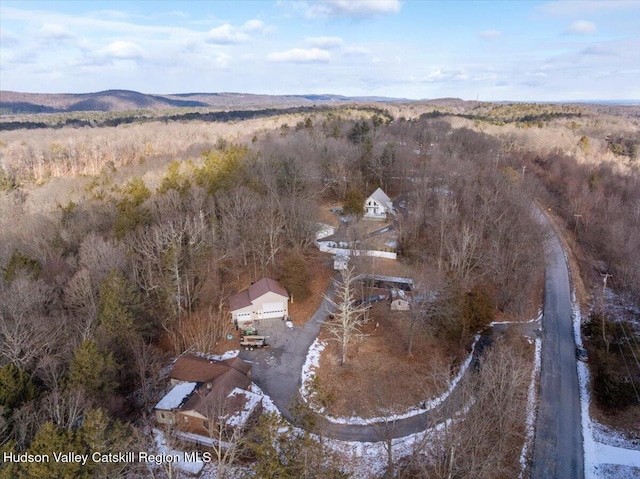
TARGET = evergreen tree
(353,202)
(131,212)
(20,262)
(295,277)
(99,434)
(118,305)
(48,440)
(16,387)
(93,369)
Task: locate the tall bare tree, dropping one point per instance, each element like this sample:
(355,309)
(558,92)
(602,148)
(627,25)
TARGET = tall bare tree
(349,313)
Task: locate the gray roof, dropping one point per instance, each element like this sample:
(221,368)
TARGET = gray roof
(382,198)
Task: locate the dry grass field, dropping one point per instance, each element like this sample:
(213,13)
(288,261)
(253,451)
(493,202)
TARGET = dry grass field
(379,373)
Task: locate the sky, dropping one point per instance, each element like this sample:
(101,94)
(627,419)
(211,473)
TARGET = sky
(487,50)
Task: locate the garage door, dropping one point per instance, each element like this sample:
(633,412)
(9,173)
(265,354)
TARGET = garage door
(273,310)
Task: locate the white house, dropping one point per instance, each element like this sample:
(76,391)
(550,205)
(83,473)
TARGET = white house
(378,205)
(264,299)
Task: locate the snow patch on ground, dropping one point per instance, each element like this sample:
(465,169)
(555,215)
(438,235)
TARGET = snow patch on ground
(533,320)
(192,468)
(369,459)
(611,437)
(313,361)
(606,454)
(222,357)
(532,399)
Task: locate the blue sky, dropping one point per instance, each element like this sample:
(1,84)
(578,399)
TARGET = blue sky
(491,50)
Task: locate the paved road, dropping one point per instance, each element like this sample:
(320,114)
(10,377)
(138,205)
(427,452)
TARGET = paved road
(558,448)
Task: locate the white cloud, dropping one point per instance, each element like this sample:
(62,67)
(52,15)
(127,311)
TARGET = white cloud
(111,14)
(490,34)
(598,50)
(351,8)
(7,38)
(445,76)
(580,7)
(222,60)
(355,51)
(54,31)
(299,55)
(324,42)
(485,77)
(582,27)
(228,34)
(123,50)
(177,13)
(254,26)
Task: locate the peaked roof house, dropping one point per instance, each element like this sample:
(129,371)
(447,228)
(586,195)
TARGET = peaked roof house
(264,299)
(378,205)
(207,392)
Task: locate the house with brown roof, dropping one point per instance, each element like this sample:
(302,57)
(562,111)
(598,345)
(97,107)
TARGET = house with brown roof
(264,299)
(206,393)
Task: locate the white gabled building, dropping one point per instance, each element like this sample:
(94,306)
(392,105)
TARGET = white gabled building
(378,205)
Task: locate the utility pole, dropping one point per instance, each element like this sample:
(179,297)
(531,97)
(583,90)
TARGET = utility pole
(575,229)
(524,169)
(605,276)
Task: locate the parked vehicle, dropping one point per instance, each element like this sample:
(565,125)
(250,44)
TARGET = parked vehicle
(249,342)
(581,354)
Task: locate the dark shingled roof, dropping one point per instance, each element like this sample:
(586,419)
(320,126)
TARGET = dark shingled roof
(192,368)
(257,289)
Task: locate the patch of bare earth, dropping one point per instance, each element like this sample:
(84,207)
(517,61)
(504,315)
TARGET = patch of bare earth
(379,375)
(320,267)
(327,216)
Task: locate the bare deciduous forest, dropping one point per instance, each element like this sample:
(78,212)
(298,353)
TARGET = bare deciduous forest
(120,247)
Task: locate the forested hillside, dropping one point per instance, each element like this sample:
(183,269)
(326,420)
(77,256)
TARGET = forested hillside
(120,246)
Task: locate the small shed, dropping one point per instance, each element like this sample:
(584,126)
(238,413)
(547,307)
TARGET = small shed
(399,300)
(341,260)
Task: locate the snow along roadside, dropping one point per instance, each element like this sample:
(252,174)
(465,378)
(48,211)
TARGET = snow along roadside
(313,361)
(532,399)
(596,454)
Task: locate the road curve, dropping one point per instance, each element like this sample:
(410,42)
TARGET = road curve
(278,371)
(558,448)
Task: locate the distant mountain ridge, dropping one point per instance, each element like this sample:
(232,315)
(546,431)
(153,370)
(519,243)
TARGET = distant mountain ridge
(12,103)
